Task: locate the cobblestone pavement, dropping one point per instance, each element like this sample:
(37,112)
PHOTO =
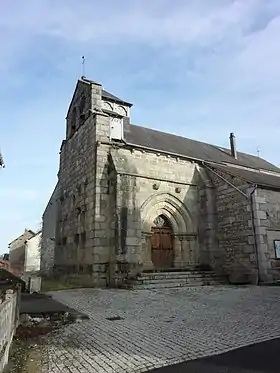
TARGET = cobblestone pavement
(159,328)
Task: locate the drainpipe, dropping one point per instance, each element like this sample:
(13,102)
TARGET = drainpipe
(250,199)
(251,194)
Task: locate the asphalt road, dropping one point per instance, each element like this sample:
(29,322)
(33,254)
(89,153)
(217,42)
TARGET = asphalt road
(37,305)
(257,358)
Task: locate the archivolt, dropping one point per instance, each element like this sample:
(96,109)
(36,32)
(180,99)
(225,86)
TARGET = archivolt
(168,205)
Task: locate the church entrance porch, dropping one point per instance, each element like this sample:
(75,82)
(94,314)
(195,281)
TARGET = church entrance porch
(169,235)
(162,253)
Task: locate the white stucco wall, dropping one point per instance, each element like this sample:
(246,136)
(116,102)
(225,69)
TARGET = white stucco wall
(8,323)
(32,254)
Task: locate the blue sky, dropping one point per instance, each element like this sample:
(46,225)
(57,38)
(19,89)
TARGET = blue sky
(197,68)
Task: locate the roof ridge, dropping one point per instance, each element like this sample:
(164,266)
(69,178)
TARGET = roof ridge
(171,143)
(218,147)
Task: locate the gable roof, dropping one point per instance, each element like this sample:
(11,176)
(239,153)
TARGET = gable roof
(253,176)
(23,234)
(109,96)
(105,94)
(184,147)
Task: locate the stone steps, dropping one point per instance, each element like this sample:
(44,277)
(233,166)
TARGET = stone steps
(175,275)
(160,280)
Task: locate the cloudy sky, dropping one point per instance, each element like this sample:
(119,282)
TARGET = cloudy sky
(196,68)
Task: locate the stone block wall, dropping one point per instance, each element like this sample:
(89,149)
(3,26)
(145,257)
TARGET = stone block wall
(102,233)
(237,255)
(9,316)
(48,233)
(75,212)
(150,183)
(267,221)
(83,215)
(76,179)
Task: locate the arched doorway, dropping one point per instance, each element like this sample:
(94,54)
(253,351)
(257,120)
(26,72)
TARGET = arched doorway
(162,243)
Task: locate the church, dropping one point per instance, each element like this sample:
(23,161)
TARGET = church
(131,201)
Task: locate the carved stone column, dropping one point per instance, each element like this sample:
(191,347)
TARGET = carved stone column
(189,250)
(146,250)
(178,260)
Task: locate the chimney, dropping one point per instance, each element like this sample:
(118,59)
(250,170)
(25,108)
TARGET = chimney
(233,145)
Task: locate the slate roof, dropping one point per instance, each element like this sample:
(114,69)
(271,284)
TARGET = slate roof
(189,148)
(25,231)
(109,96)
(181,146)
(105,94)
(257,177)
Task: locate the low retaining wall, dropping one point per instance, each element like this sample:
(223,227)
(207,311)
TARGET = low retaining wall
(9,318)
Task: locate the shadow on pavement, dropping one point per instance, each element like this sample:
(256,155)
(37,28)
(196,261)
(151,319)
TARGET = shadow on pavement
(258,358)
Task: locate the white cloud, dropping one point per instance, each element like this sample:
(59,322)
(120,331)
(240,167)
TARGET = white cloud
(183,22)
(231,44)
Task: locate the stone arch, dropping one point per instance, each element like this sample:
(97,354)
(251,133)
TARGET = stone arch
(107,105)
(121,110)
(172,208)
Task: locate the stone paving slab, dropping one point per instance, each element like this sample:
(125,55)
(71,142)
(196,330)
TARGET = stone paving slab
(136,331)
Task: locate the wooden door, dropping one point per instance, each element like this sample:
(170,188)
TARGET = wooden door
(162,247)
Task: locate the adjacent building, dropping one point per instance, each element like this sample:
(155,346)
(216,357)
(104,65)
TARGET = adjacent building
(25,251)
(17,252)
(48,233)
(132,199)
(33,254)
(4,262)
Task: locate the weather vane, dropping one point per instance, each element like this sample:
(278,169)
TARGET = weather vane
(83,65)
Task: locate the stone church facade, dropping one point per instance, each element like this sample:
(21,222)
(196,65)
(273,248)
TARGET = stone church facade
(131,199)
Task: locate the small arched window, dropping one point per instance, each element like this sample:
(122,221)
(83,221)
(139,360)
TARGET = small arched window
(121,110)
(82,104)
(106,105)
(82,110)
(73,120)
